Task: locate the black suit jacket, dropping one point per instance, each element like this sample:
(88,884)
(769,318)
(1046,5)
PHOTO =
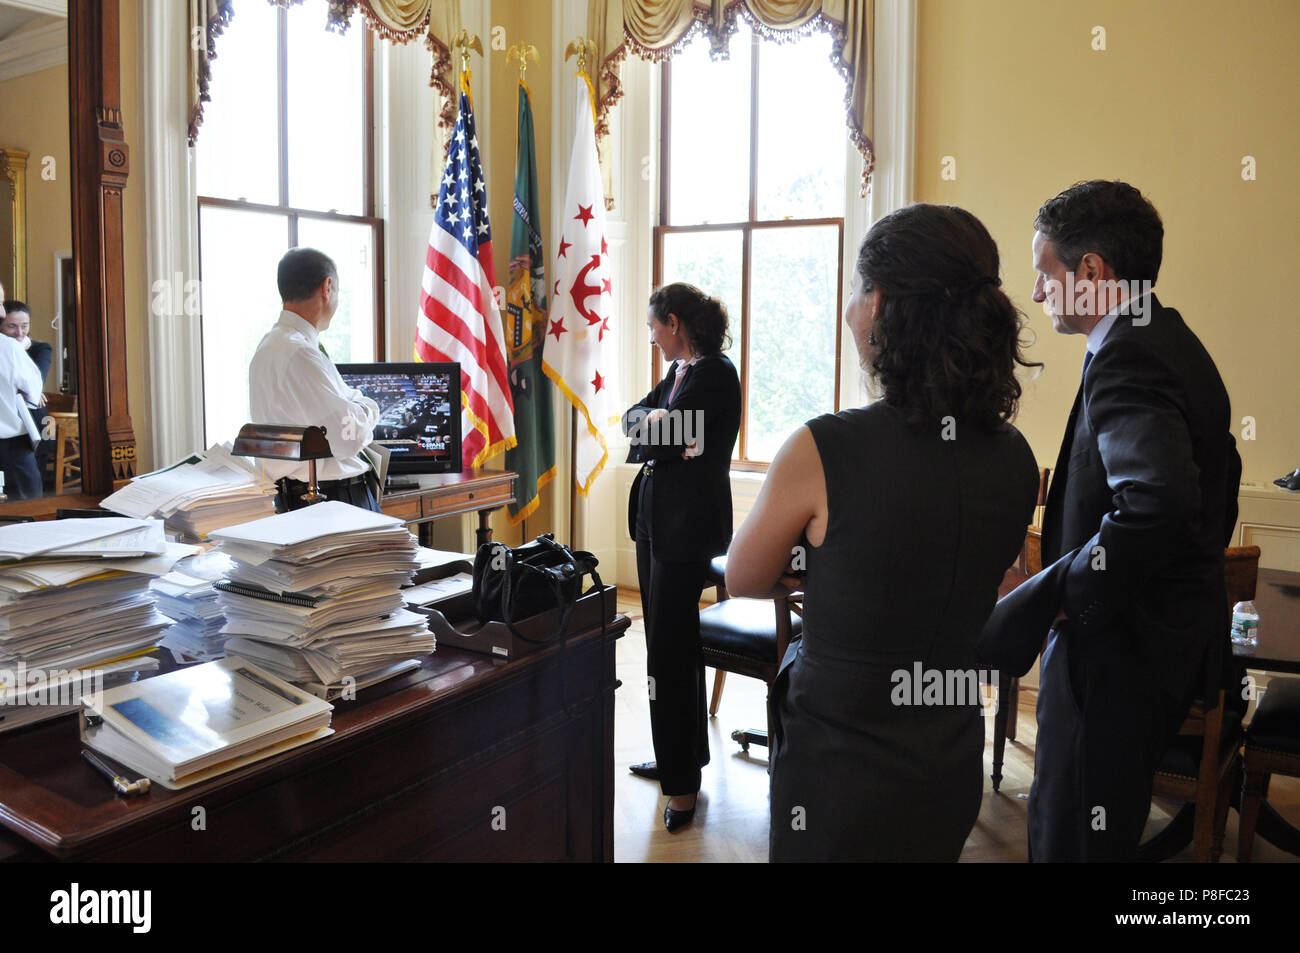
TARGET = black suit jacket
(691,502)
(41,354)
(1142,502)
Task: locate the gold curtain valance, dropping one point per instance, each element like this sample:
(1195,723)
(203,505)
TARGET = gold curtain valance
(208,19)
(657,29)
(401,21)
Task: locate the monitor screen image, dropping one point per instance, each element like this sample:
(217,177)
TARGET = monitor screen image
(419,413)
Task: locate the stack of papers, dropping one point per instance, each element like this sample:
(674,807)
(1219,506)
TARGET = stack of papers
(314,596)
(202,721)
(62,690)
(187,594)
(207,491)
(74,594)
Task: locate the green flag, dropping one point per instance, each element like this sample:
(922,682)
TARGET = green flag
(525,330)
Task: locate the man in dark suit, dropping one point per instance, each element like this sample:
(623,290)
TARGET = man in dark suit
(1142,502)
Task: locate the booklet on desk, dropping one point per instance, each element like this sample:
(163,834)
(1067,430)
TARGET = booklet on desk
(198,722)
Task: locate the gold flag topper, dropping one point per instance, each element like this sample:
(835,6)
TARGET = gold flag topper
(523,52)
(466,41)
(584,48)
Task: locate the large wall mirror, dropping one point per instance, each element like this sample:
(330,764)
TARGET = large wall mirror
(61,178)
(36,252)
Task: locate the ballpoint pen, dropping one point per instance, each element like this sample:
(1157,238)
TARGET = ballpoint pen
(120,784)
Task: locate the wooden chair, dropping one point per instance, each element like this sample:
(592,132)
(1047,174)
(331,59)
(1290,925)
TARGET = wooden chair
(1272,747)
(1027,564)
(1203,763)
(748,637)
(61,403)
(67,452)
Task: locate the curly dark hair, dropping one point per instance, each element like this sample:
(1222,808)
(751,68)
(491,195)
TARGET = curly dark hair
(947,335)
(703,317)
(1111,219)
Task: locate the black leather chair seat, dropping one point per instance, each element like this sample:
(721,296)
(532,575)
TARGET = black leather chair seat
(744,628)
(1276,724)
(1184,755)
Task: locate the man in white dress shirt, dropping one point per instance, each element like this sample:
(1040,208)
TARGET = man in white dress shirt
(293,383)
(20,383)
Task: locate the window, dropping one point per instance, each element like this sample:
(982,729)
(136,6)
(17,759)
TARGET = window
(285,158)
(752,195)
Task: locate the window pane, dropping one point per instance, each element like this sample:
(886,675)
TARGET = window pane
(802,135)
(709,124)
(710,261)
(238,252)
(792,332)
(327,137)
(238,141)
(350,337)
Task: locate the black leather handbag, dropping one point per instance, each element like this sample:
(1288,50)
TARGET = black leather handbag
(514,584)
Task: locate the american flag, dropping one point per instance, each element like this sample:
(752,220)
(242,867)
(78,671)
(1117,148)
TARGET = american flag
(459,320)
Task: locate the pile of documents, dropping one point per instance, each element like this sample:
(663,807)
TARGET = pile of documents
(74,596)
(187,595)
(201,721)
(209,490)
(314,596)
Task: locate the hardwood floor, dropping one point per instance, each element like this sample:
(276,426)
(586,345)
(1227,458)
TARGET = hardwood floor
(731,820)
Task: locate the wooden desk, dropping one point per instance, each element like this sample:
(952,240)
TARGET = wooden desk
(1277,599)
(419,768)
(451,494)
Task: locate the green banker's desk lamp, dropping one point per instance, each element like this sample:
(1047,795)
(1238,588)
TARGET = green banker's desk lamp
(297,444)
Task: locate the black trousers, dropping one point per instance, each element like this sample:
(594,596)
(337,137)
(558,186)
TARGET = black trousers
(1103,727)
(22,478)
(670,605)
(355,490)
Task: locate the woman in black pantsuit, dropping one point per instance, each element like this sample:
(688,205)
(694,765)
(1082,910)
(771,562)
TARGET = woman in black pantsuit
(909,511)
(679,513)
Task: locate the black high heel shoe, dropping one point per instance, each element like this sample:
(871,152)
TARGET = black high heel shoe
(646,769)
(676,820)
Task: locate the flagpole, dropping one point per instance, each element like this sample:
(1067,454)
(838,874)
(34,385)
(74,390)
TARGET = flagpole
(573,477)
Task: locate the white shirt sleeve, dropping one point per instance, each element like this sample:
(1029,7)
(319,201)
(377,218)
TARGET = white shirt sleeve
(28,379)
(348,415)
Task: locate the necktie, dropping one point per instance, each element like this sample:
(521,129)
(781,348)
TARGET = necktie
(677,384)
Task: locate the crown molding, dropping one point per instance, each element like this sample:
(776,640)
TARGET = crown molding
(33,50)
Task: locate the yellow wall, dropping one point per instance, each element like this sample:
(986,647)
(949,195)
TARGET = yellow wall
(1014,92)
(34,118)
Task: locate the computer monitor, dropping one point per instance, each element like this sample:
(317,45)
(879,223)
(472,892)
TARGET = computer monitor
(419,412)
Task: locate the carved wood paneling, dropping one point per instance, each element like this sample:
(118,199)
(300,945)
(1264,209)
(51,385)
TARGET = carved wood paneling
(101,165)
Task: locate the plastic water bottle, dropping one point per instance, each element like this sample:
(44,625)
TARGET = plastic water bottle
(1245,624)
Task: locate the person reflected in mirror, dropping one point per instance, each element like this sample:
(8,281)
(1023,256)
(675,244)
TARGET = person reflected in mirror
(17,324)
(20,385)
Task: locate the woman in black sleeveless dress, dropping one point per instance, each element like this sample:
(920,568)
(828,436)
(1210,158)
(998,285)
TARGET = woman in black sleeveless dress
(906,513)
